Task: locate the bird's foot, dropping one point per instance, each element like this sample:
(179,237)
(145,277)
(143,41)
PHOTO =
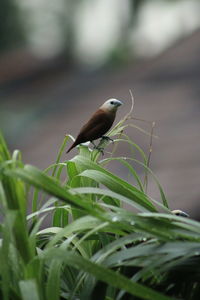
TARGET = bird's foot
(105,137)
(100,149)
(95,147)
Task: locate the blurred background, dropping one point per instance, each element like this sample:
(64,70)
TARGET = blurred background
(59,60)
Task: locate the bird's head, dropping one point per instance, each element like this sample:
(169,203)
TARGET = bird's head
(111,105)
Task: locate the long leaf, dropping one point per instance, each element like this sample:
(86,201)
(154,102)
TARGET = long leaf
(104,274)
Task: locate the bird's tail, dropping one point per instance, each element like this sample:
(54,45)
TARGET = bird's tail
(72,146)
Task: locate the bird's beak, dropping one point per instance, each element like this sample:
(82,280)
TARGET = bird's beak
(119,103)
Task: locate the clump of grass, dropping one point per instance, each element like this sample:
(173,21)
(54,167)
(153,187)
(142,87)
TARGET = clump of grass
(92,247)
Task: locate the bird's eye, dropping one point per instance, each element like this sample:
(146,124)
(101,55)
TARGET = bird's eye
(111,102)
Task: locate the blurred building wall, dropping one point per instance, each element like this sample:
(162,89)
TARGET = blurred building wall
(43,98)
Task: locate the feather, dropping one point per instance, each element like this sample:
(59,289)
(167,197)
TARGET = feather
(100,122)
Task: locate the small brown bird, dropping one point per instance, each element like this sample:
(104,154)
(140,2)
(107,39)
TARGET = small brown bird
(99,123)
(180,213)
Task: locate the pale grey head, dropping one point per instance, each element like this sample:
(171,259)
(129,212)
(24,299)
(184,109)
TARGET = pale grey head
(111,105)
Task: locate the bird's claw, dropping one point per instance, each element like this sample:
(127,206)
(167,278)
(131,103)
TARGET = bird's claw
(105,137)
(100,149)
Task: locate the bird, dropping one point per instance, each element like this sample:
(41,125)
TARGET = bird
(100,122)
(178,212)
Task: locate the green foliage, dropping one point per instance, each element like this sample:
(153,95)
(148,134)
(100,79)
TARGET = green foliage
(80,242)
(12,29)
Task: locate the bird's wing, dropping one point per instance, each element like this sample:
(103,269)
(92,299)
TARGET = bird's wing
(98,117)
(98,125)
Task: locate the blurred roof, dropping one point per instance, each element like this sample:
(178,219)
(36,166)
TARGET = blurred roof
(166,90)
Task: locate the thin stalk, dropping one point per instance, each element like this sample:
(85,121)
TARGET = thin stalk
(149,156)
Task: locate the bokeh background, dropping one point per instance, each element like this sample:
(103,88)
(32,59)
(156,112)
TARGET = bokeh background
(59,60)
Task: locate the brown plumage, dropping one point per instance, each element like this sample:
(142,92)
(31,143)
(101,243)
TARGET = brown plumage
(100,122)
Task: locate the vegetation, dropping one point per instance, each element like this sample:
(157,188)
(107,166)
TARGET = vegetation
(78,242)
(12,34)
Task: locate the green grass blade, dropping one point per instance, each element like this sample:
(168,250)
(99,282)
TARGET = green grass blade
(53,282)
(61,150)
(29,290)
(101,273)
